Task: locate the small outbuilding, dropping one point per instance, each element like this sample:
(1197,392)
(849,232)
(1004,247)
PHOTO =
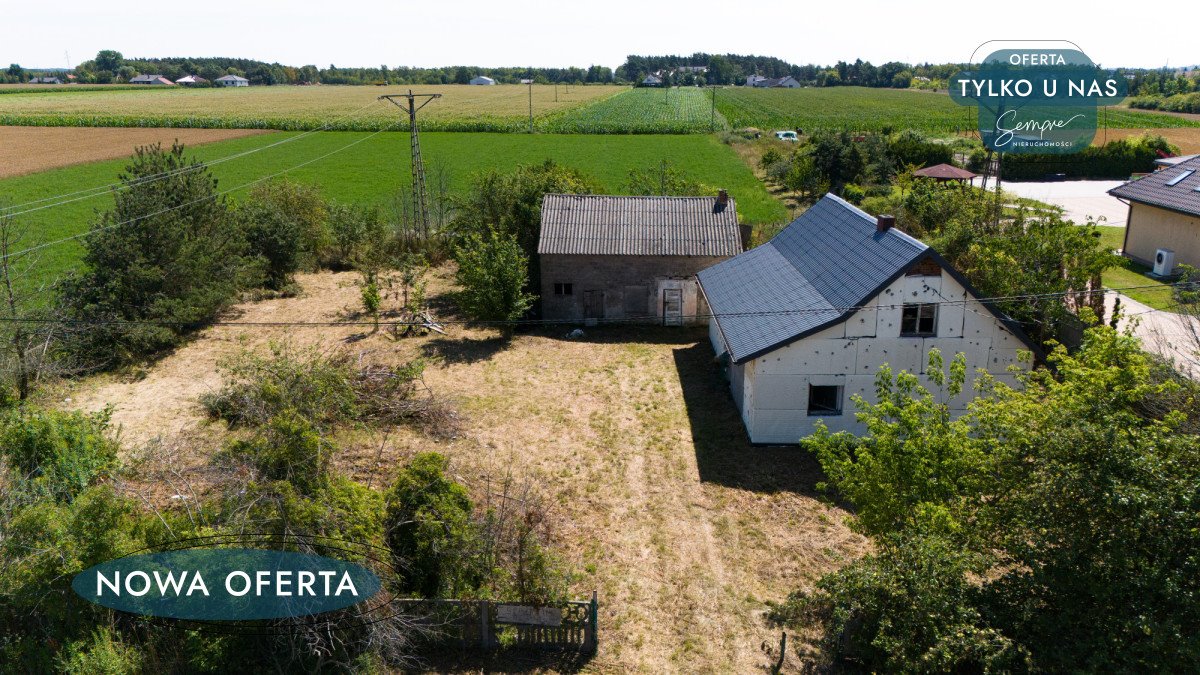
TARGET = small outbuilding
(232,81)
(631,258)
(945,172)
(45,80)
(805,321)
(190,80)
(482,80)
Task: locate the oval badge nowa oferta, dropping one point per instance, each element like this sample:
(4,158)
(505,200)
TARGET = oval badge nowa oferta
(226,584)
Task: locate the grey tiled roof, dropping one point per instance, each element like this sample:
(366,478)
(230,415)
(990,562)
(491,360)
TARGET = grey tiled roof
(1153,189)
(828,259)
(603,225)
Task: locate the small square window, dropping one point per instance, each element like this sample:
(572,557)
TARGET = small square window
(563,289)
(919,320)
(824,400)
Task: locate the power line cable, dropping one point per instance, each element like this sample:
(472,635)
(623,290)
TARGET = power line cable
(17,254)
(1030,298)
(120,185)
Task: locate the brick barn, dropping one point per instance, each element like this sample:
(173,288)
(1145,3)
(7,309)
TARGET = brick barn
(608,258)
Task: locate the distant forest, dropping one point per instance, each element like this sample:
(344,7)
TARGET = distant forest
(696,70)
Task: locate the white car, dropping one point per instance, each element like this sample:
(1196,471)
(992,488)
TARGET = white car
(789,136)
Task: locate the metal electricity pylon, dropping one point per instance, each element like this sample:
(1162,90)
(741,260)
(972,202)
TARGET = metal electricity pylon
(411,103)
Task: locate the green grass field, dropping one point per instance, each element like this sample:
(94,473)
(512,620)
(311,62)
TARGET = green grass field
(863,109)
(681,110)
(372,172)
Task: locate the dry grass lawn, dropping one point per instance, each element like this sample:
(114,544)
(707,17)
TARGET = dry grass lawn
(25,150)
(683,528)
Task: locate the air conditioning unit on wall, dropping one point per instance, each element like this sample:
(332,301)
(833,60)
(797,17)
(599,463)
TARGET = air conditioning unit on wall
(1164,262)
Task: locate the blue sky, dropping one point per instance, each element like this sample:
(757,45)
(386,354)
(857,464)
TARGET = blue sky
(533,32)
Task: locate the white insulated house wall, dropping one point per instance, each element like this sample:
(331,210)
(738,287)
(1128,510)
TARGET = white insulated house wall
(772,390)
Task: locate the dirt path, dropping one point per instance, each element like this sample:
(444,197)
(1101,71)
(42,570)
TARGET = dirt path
(682,528)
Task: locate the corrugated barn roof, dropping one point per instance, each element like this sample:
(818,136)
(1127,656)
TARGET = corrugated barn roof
(603,225)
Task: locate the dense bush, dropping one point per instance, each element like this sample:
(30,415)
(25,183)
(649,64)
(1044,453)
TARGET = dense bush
(1052,528)
(43,547)
(1183,103)
(450,547)
(57,454)
(357,238)
(284,224)
(288,448)
(430,530)
(911,607)
(494,273)
(1117,159)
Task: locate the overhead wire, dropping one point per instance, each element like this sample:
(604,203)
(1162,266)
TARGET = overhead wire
(1031,298)
(216,195)
(144,180)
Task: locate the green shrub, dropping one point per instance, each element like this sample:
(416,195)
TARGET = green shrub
(57,454)
(429,529)
(908,608)
(357,238)
(494,274)
(101,653)
(287,449)
(1114,160)
(284,226)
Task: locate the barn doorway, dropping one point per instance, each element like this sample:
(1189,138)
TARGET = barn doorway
(593,305)
(672,307)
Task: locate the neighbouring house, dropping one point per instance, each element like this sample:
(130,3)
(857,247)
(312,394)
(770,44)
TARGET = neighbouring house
(942,173)
(191,80)
(753,80)
(805,321)
(482,80)
(652,80)
(45,80)
(611,258)
(1164,214)
(232,81)
(787,82)
(150,79)
(1168,162)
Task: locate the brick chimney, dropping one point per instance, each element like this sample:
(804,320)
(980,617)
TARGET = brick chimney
(884,223)
(723,197)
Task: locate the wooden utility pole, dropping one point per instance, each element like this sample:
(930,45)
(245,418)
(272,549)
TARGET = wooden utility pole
(411,103)
(531,106)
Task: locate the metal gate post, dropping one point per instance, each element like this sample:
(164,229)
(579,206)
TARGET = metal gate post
(589,633)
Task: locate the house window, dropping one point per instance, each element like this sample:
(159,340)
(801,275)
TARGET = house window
(824,400)
(563,289)
(919,320)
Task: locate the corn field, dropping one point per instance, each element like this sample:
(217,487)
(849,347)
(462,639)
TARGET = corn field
(592,109)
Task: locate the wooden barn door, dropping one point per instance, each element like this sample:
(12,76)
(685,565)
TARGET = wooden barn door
(593,304)
(672,307)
